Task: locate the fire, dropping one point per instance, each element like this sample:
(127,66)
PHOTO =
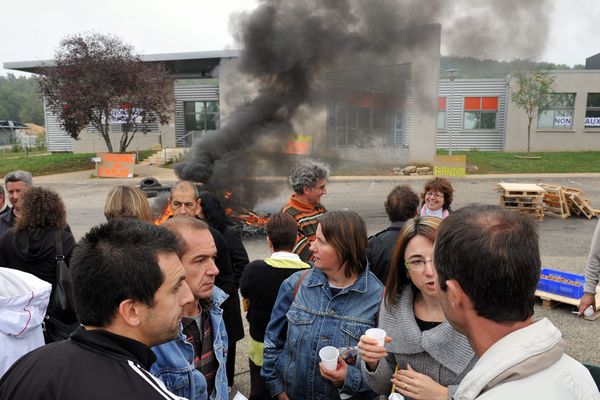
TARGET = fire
(252,218)
(165,216)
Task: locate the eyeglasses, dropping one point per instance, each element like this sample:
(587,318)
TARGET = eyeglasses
(433,194)
(417,265)
(177,205)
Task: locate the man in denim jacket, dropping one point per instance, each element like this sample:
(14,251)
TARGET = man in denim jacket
(193,366)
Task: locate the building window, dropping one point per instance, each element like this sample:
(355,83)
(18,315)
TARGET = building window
(480,112)
(201,115)
(441,116)
(345,125)
(592,111)
(559,114)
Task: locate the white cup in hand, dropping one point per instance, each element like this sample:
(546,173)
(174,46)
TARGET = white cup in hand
(377,334)
(329,356)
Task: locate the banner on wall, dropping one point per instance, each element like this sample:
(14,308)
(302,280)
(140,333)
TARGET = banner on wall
(592,122)
(450,165)
(114,165)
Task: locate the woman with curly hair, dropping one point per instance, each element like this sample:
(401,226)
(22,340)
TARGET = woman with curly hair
(436,198)
(31,245)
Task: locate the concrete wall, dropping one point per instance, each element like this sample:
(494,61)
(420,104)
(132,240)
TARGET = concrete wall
(425,60)
(580,82)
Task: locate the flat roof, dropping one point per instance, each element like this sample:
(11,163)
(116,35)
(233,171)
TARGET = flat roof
(184,64)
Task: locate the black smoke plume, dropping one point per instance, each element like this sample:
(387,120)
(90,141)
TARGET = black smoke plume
(288,46)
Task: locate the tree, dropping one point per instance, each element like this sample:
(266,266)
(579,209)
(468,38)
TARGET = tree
(19,99)
(96,80)
(531,94)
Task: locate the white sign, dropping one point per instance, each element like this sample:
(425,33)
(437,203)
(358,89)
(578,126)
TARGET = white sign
(117,116)
(562,121)
(592,121)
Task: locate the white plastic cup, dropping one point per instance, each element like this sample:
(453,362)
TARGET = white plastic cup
(394,396)
(377,334)
(588,312)
(329,356)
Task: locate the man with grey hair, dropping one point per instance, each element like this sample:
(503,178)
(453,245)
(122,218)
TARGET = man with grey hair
(308,179)
(17,182)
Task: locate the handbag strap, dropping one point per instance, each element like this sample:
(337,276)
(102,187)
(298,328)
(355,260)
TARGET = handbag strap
(297,286)
(59,245)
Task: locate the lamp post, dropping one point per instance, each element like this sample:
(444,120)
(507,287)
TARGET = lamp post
(452,74)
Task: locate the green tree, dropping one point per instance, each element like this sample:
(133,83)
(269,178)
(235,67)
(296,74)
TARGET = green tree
(97,80)
(20,100)
(530,93)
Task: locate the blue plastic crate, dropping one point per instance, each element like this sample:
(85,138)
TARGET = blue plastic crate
(561,288)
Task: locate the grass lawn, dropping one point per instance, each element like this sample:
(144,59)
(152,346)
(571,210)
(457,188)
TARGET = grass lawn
(47,164)
(487,162)
(493,162)
(43,163)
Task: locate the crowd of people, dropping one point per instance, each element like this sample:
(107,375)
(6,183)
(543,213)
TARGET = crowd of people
(156,310)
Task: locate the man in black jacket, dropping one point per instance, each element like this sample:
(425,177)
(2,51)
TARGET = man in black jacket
(129,291)
(400,206)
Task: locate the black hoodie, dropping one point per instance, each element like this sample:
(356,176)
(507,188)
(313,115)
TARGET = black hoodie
(34,254)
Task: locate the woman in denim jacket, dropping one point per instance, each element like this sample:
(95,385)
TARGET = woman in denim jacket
(332,304)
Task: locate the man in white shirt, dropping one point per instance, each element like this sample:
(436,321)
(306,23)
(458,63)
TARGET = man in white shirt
(488,264)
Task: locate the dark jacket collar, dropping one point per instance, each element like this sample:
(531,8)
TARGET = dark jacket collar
(114,345)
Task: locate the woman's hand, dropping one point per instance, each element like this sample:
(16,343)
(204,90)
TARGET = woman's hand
(415,385)
(338,376)
(371,352)
(282,396)
(587,300)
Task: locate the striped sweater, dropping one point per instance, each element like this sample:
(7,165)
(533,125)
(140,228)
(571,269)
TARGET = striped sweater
(307,217)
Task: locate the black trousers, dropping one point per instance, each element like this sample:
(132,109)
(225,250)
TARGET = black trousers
(258,387)
(230,366)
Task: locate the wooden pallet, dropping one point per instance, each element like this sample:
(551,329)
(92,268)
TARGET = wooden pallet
(551,300)
(525,198)
(555,201)
(570,190)
(580,206)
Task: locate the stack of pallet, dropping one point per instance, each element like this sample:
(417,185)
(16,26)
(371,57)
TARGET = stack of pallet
(563,201)
(526,198)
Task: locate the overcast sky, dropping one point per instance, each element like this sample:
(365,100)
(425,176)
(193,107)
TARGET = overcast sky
(32,29)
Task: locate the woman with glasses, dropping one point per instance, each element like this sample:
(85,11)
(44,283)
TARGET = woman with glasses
(436,198)
(424,356)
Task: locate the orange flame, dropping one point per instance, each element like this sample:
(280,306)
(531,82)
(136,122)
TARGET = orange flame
(165,216)
(252,218)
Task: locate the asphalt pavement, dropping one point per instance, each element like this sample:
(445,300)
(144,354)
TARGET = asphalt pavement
(564,244)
